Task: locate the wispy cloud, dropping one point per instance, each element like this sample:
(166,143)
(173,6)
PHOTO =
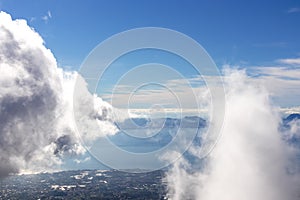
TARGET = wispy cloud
(47,16)
(290,61)
(294,10)
(290,110)
(278,72)
(170,96)
(271,44)
(282,82)
(32,19)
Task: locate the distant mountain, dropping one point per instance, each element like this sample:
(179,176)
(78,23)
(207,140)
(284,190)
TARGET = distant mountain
(286,121)
(293,139)
(291,117)
(141,135)
(144,134)
(142,123)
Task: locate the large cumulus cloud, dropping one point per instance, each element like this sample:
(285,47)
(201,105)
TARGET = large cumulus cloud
(36,126)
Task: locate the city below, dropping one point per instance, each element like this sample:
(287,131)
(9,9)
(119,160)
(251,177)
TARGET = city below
(85,184)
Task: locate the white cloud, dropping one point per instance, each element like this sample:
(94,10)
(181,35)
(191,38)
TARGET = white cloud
(283,83)
(78,161)
(32,19)
(47,17)
(49,14)
(290,61)
(250,160)
(173,96)
(37,127)
(278,72)
(294,10)
(271,44)
(290,110)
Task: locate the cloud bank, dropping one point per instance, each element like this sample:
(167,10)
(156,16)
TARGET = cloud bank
(36,104)
(250,161)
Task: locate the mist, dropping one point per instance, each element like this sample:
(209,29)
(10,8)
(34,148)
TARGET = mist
(251,160)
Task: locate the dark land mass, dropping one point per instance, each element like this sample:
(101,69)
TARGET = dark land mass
(85,184)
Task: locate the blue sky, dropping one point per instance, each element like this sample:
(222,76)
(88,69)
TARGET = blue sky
(248,34)
(234,32)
